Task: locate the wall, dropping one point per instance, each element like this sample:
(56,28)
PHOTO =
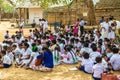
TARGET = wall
(35,13)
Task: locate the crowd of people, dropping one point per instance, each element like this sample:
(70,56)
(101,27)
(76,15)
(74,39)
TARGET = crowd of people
(96,50)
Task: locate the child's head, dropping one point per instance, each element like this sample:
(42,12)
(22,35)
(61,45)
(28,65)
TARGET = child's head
(25,45)
(98,59)
(85,55)
(115,50)
(30,30)
(94,48)
(8,49)
(86,44)
(5,48)
(38,42)
(14,47)
(3,52)
(7,31)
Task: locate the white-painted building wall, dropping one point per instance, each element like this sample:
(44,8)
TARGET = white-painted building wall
(35,14)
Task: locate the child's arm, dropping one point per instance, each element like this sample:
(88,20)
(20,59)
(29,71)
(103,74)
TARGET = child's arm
(31,58)
(1,61)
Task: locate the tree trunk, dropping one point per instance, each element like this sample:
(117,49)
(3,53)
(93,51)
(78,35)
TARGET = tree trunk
(91,13)
(0,15)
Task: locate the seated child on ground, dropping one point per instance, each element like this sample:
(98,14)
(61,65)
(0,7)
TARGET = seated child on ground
(115,59)
(86,64)
(5,62)
(98,69)
(56,56)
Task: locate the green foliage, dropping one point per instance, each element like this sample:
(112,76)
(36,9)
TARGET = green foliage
(7,8)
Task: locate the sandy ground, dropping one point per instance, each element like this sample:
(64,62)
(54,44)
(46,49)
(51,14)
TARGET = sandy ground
(61,72)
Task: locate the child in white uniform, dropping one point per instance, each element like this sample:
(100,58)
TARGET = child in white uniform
(34,54)
(86,64)
(115,59)
(98,69)
(5,62)
(56,56)
(26,55)
(94,54)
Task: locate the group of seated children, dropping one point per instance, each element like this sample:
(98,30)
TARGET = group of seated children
(41,51)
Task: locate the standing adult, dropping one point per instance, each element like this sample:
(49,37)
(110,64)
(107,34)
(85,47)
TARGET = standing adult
(75,31)
(45,25)
(105,28)
(82,24)
(102,19)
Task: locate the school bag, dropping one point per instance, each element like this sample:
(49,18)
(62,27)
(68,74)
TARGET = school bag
(107,76)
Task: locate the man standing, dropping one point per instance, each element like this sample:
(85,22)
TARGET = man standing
(82,24)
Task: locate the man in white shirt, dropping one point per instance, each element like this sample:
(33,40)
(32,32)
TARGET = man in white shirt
(82,24)
(105,28)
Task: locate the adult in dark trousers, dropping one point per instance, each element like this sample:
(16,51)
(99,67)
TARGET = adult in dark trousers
(82,24)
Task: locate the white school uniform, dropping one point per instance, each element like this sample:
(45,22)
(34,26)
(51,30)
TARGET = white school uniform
(88,64)
(72,57)
(10,55)
(34,55)
(105,28)
(39,48)
(98,69)
(86,49)
(115,61)
(109,55)
(111,34)
(25,55)
(78,45)
(56,57)
(93,55)
(16,52)
(6,60)
(104,63)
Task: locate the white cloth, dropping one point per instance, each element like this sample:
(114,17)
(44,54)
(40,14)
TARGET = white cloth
(56,57)
(115,61)
(109,55)
(93,55)
(88,64)
(105,28)
(111,35)
(10,55)
(34,55)
(98,69)
(25,54)
(86,49)
(6,60)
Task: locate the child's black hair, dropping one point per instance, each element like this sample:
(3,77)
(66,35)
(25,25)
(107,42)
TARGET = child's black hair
(115,50)
(3,52)
(94,48)
(26,44)
(86,44)
(85,55)
(98,59)
(14,45)
(54,41)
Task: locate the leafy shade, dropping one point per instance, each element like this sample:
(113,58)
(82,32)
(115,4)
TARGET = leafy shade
(7,8)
